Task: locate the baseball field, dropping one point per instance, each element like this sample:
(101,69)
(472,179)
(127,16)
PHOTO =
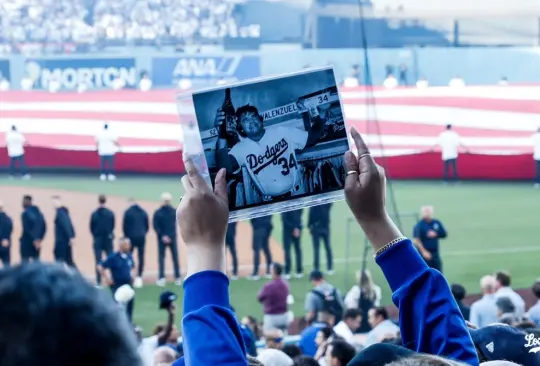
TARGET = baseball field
(491,226)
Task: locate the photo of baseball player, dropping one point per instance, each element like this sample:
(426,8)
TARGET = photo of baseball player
(278,139)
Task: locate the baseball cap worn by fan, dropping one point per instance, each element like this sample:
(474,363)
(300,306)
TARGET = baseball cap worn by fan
(166,299)
(503,342)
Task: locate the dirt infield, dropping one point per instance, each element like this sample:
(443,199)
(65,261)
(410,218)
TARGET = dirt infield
(81,205)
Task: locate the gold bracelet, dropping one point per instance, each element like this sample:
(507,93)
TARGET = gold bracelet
(389,245)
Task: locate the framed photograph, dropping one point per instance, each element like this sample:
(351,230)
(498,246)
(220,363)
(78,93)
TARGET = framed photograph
(281,140)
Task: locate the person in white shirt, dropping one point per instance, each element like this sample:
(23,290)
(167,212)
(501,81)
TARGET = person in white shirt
(15,142)
(350,323)
(163,334)
(364,295)
(449,142)
(118,83)
(422,83)
(456,82)
(503,286)
(4,84)
(381,326)
(536,157)
(27,83)
(145,84)
(54,85)
(390,82)
(484,311)
(107,147)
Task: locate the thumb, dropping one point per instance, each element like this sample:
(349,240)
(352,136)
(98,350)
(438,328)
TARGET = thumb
(220,186)
(351,168)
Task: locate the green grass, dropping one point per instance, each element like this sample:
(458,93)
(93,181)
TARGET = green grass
(491,226)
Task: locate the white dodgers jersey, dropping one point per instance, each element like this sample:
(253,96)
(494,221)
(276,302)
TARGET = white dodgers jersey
(271,161)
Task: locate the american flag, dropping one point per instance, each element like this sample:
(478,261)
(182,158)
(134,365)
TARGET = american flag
(489,119)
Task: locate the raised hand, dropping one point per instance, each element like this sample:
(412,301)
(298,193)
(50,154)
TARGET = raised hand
(219,119)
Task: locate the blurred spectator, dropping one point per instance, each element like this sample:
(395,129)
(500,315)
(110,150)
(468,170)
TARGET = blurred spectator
(273,339)
(4,83)
(118,83)
(422,83)
(534,311)
(504,289)
(324,297)
(456,82)
(348,326)
(292,350)
(381,325)
(310,340)
(145,84)
(273,297)
(390,82)
(506,311)
(54,85)
(164,356)
(305,361)
(339,353)
(353,79)
(364,295)
(459,293)
(252,323)
(27,83)
(403,75)
(274,357)
(503,81)
(484,311)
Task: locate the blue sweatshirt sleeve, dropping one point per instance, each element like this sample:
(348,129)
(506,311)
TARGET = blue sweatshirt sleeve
(429,318)
(211,334)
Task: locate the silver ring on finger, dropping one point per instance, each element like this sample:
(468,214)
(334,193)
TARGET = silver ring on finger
(351,172)
(361,156)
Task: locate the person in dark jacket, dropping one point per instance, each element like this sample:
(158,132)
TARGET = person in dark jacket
(64,233)
(164,222)
(292,230)
(262,228)
(6,229)
(135,226)
(34,229)
(230,241)
(319,226)
(102,224)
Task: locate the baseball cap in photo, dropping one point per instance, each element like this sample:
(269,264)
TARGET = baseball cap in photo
(316,275)
(503,342)
(166,298)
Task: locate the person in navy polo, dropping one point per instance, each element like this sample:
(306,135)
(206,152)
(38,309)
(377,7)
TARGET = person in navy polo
(427,233)
(118,270)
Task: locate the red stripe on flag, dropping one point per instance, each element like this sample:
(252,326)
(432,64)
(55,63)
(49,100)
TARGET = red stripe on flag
(50,140)
(100,116)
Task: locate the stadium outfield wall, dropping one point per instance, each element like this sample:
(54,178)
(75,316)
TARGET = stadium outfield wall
(495,123)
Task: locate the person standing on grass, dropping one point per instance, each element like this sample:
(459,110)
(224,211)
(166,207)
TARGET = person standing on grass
(15,142)
(230,241)
(107,147)
(164,222)
(33,230)
(102,223)
(426,235)
(319,227)
(449,142)
(536,157)
(6,229)
(292,231)
(273,296)
(262,228)
(135,226)
(64,234)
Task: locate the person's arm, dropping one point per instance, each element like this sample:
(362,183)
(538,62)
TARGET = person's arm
(146,223)
(126,223)
(64,223)
(224,159)
(429,317)
(310,306)
(93,224)
(475,316)
(163,336)
(209,324)
(351,298)
(416,239)
(262,294)
(441,233)
(30,225)
(104,268)
(156,222)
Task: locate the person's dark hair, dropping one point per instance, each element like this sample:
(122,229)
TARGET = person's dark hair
(27,197)
(277,268)
(102,199)
(423,359)
(449,127)
(254,325)
(459,292)
(381,311)
(524,324)
(505,305)
(248,108)
(503,278)
(106,126)
(536,289)
(291,350)
(13,128)
(82,325)
(305,361)
(327,332)
(343,351)
(352,314)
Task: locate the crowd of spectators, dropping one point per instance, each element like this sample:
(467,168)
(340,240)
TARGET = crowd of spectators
(51,315)
(97,21)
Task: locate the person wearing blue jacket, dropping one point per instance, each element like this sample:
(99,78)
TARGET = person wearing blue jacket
(164,222)
(34,229)
(211,333)
(135,226)
(102,223)
(6,229)
(64,233)
(429,318)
